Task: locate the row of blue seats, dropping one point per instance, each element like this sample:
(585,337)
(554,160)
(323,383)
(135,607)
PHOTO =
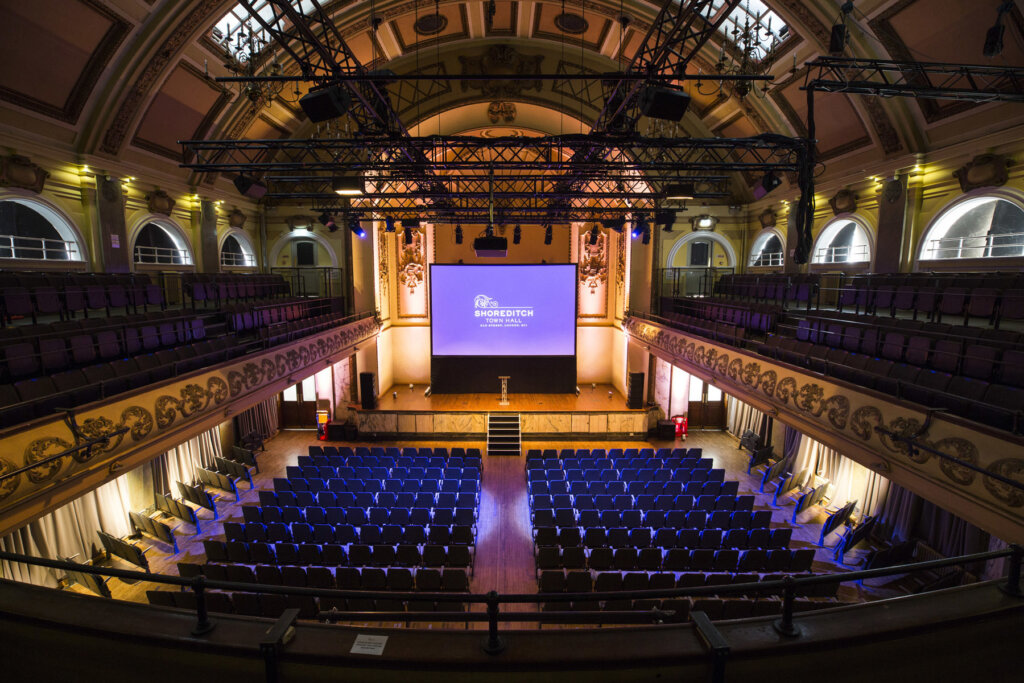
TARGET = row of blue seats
(633,488)
(388,462)
(366,501)
(338,485)
(612,453)
(622,537)
(631,475)
(461,533)
(382,473)
(358,516)
(646,503)
(394,451)
(567,521)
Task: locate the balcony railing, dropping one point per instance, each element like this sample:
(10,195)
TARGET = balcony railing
(166,256)
(976,246)
(767,258)
(232,258)
(846,254)
(789,587)
(38,248)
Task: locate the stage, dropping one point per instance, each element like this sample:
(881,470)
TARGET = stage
(406,413)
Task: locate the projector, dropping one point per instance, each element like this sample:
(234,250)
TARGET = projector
(494,247)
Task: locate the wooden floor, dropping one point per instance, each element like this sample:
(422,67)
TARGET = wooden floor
(602,397)
(504,553)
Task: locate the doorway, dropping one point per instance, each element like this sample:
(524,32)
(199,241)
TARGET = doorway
(304,256)
(298,405)
(706,405)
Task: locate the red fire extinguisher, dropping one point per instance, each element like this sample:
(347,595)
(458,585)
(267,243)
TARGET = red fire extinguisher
(680,421)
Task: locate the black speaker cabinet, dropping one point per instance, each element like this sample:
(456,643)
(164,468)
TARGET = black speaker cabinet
(325,104)
(368,390)
(635,391)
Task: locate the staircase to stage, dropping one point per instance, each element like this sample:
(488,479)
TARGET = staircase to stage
(503,435)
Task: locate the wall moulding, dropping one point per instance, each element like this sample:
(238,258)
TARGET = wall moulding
(844,418)
(157,418)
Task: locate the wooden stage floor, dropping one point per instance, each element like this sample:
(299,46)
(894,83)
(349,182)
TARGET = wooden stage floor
(595,399)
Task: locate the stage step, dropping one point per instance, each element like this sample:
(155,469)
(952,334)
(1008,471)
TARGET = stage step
(503,437)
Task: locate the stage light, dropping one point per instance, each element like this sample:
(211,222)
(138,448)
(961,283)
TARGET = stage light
(667,104)
(666,218)
(680,192)
(840,34)
(769,181)
(645,236)
(616,224)
(407,235)
(356,227)
(489,231)
(389,224)
(994,36)
(249,187)
(327,220)
(517,235)
(547,234)
(640,227)
(458,234)
(594,232)
(326,104)
(347,186)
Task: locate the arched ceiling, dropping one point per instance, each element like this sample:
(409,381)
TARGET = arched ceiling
(121,81)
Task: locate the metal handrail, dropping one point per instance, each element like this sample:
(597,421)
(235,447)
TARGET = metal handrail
(43,246)
(841,254)
(767,258)
(230,258)
(168,256)
(987,242)
(787,586)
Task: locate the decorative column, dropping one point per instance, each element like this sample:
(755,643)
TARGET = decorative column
(209,259)
(115,251)
(892,221)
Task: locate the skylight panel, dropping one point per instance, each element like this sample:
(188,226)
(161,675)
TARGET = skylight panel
(770,28)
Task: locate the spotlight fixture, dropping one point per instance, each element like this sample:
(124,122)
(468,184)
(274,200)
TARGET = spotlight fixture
(594,232)
(665,218)
(645,236)
(547,234)
(458,234)
(616,224)
(248,187)
(680,192)
(389,224)
(769,181)
(994,36)
(326,104)
(327,220)
(640,227)
(517,235)
(347,186)
(356,227)
(407,235)
(704,222)
(489,230)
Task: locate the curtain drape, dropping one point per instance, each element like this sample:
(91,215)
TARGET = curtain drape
(742,416)
(264,418)
(791,442)
(70,530)
(849,479)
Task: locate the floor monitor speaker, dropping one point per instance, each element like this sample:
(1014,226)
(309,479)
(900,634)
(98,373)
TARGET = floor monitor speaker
(635,391)
(368,390)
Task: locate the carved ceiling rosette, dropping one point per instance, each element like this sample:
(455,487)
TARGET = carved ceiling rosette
(501,60)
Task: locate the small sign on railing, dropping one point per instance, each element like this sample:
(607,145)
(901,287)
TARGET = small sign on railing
(369,645)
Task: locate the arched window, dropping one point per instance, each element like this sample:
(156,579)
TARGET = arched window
(842,241)
(979,227)
(236,252)
(156,244)
(767,250)
(34,231)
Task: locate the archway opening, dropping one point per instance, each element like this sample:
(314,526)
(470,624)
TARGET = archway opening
(842,241)
(33,232)
(155,244)
(980,227)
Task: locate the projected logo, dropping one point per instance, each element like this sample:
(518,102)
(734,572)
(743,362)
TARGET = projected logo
(492,314)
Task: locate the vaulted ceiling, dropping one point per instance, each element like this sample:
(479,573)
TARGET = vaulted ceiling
(124,80)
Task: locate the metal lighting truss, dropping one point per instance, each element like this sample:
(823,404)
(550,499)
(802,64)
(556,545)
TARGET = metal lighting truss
(518,172)
(322,55)
(927,80)
(676,35)
(888,78)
